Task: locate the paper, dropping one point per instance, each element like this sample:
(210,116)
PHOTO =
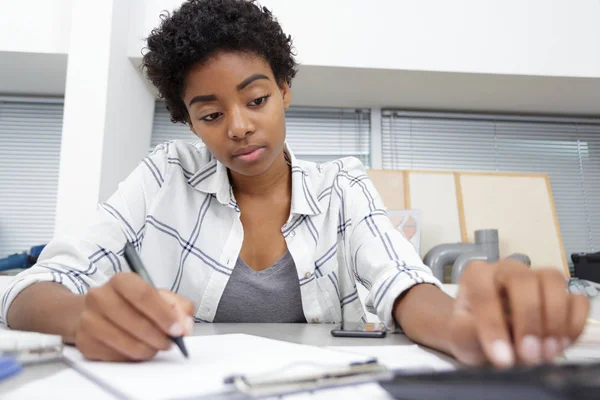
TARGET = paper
(404,357)
(587,346)
(370,391)
(212,358)
(64,385)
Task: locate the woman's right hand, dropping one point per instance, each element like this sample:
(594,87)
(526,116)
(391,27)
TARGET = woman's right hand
(126,319)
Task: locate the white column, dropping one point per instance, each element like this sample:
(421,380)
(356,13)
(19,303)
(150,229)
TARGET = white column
(108,112)
(376,151)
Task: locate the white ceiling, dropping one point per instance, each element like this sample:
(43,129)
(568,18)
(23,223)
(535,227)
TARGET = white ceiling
(34,74)
(431,90)
(45,75)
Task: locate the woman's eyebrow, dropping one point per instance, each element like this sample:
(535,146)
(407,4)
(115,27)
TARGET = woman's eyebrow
(250,79)
(203,98)
(211,97)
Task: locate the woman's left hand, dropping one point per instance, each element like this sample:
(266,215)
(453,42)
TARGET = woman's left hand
(506,313)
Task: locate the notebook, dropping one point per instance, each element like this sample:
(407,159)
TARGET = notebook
(29,347)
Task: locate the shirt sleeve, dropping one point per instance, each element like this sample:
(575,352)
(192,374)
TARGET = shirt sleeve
(382,259)
(92,257)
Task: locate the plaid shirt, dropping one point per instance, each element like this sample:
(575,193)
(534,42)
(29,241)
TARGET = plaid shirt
(177,207)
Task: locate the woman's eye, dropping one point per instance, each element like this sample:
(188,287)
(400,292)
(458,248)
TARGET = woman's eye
(259,101)
(211,117)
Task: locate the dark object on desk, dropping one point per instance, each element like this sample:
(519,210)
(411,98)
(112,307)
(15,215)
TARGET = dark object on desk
(23,260)
(135,264)
(546,382)
(587,266)
(360,330)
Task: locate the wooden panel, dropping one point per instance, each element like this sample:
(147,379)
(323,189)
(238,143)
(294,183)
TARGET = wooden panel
(521,207)
(434,194)
(390,185)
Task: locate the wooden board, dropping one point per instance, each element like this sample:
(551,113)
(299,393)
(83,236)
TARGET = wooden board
(434,194)
(391,186)
(521,207)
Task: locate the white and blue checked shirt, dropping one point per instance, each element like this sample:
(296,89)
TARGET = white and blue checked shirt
(177,207)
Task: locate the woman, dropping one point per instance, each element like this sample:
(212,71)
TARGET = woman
(235,228)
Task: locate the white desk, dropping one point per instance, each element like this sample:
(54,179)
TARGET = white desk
(313,334)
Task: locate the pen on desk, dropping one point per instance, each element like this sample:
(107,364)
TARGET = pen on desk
(136,265)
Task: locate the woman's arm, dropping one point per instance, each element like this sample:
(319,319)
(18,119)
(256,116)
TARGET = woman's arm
(424,312)
(47,307)
(504,313)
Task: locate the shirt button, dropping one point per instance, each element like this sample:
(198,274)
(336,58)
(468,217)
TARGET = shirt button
(307,275)
(315,320)
(292,234)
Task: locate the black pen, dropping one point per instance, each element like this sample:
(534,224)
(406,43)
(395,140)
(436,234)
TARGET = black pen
(136,265)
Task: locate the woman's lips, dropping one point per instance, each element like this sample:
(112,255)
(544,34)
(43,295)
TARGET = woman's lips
(248,154)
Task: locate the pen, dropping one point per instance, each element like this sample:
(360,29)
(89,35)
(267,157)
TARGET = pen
(136,265)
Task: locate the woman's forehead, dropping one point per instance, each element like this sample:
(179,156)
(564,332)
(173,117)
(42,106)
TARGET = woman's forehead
(225,71)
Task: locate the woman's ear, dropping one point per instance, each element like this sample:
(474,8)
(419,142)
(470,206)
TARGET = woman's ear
(286,94)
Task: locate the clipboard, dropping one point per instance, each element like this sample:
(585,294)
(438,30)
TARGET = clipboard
(304,377)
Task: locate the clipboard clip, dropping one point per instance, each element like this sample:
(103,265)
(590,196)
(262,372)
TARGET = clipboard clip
(306,376)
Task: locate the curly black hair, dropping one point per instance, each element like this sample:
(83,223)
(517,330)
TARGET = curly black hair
(201,28)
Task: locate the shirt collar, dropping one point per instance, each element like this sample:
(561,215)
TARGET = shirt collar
(213,178)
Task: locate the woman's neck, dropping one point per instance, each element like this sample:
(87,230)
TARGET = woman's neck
(275,180)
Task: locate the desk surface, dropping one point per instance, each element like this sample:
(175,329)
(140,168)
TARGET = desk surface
(313,334)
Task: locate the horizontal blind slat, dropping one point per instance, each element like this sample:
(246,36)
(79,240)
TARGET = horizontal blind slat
(30,138)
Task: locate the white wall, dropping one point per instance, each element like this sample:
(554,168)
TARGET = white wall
(525,56)
(522,37)
(526,37)
(108,112)
(35,26)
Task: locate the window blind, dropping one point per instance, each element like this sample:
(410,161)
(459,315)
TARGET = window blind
(30,136)
(568,150)
(314,134)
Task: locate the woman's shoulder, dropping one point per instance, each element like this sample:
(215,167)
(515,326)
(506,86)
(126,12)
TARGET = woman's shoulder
(188,156)
(325,174)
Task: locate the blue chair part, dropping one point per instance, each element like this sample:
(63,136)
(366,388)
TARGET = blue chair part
(23,260)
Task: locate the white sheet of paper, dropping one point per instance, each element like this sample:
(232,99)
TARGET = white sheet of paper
(370,391)
(587,346)
(212,358)
(403,357)
(64,385)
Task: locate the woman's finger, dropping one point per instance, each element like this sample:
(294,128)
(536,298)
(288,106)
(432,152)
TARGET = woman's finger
(579,308)
(95,350)
(555,304)
(465,342)
(105,332)
(146,299)
(183,307)
(523,294)
(119,312)
(487,309)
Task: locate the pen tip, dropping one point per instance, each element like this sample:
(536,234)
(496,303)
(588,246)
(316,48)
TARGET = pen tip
(179,342)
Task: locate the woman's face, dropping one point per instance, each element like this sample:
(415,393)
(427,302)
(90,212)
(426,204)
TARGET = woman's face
(238,110)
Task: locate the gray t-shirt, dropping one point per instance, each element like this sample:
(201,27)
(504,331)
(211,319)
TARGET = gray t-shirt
(271,295)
